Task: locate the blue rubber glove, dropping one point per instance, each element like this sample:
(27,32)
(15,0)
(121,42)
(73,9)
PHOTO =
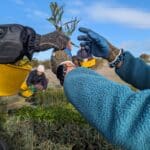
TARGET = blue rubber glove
(94,43)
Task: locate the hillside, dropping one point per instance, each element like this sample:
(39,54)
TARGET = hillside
(17,101)
(103,70)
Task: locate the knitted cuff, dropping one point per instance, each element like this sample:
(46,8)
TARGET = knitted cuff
(119,58)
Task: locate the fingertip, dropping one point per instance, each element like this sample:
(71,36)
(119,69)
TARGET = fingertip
(84,30)
(82,44)
(79,37)
(83,38)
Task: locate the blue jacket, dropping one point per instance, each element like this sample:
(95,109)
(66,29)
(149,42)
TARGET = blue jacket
(135,72)
(120,114)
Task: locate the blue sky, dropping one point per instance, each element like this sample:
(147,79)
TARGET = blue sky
(125,23)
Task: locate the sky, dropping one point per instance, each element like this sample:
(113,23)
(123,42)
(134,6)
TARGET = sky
(126,24)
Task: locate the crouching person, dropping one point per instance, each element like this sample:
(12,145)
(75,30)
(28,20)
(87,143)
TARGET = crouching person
(37,79)
(35,82)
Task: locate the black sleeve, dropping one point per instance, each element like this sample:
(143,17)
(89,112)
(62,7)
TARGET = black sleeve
(44,82)
(30,77)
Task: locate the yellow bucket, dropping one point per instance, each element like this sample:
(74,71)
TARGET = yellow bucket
(11,78)
(89,63)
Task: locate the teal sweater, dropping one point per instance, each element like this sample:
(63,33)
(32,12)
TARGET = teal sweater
(135,72)
(121,115)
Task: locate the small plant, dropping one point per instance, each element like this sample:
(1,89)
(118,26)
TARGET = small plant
(55,19)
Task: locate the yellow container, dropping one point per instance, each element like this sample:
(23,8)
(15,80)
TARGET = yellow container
(24,86)
(25,91)
(11,78)
(89,63)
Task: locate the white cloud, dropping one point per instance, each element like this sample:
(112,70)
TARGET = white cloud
(128,16)
(39,13)
(77,3)
(73,11)
(30,13)
(19,2)
(137,47)
(74,7)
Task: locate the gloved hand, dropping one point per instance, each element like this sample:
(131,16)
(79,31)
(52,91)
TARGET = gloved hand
(56,39)
(96,44)
(32,88)
(17,41)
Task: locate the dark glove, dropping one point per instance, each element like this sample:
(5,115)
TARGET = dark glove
(11,43)
(56,39)
(17,41)
(94,43)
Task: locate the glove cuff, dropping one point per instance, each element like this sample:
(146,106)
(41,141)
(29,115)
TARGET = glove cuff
(119,58)
(57,40)
(28,42)
(113,52)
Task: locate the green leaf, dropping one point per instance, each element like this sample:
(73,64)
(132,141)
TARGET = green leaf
(56,17)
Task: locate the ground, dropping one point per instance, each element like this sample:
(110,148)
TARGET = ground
(17,101)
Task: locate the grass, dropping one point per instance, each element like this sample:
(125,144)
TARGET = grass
(54,124)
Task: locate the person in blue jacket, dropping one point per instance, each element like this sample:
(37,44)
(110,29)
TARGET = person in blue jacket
(117,112)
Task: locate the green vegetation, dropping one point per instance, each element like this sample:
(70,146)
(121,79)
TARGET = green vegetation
(51,124)
(34,63)
(56,19)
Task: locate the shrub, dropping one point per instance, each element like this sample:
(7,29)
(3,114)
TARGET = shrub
(56,125)
(50,97)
